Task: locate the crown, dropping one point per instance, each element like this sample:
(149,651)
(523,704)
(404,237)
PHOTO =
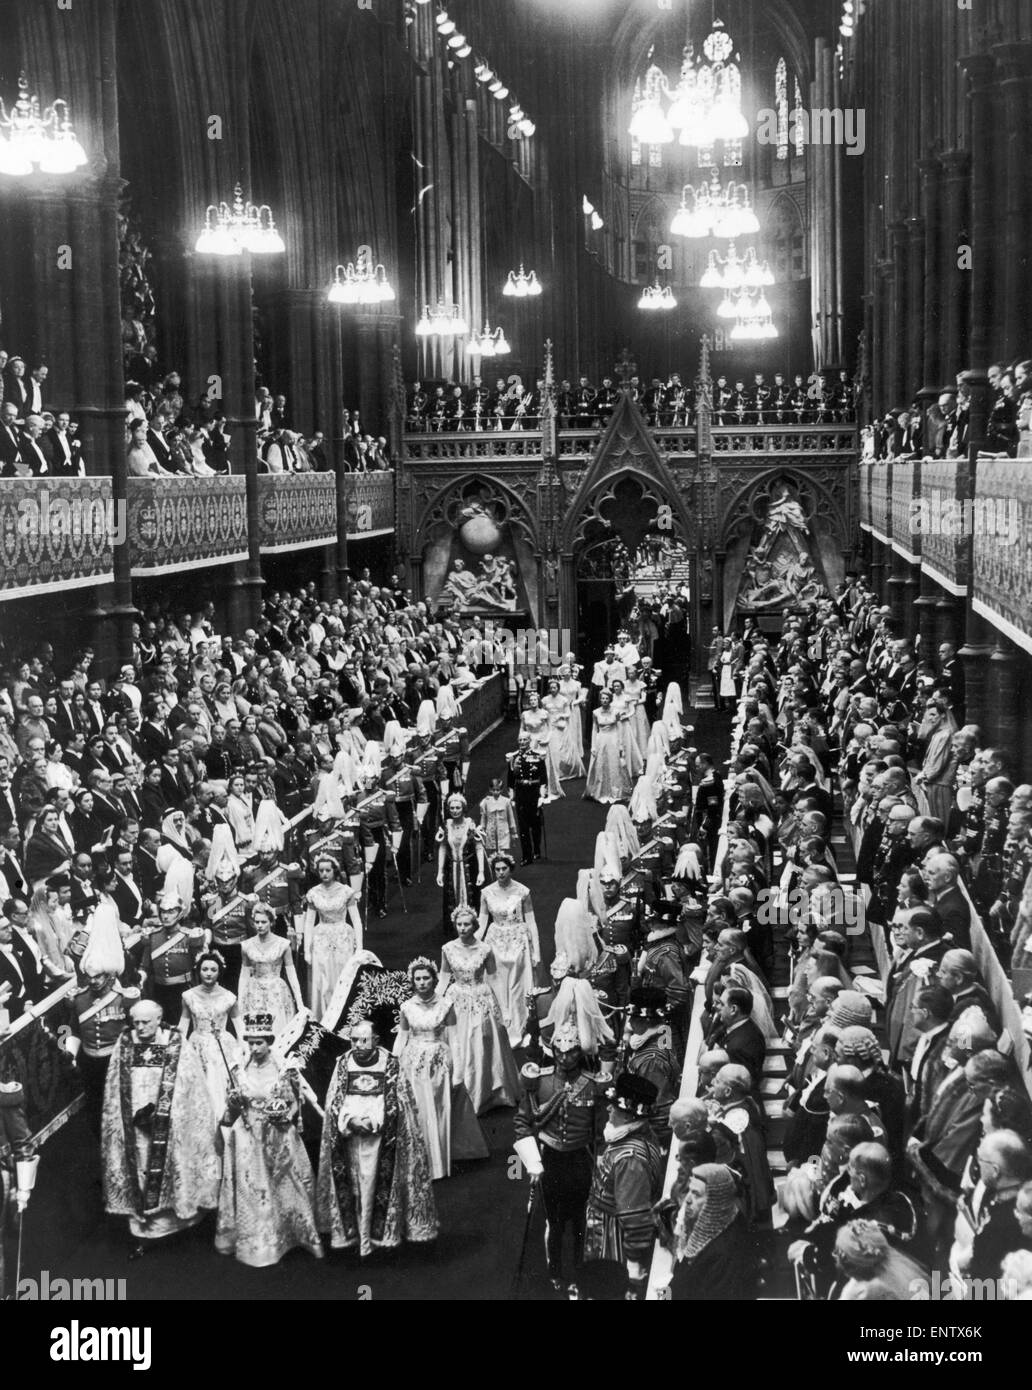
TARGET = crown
(258,1025)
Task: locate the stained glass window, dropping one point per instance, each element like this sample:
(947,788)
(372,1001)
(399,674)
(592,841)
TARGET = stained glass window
(781,104)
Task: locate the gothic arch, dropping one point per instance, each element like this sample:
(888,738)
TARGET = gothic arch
(435,517)
(627,453)
(817,496)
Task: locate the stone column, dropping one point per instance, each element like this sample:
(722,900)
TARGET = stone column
(986,188)
(955,283)
(1006,721)
(915,372)
(925,608)
(931,188)
(1014,85)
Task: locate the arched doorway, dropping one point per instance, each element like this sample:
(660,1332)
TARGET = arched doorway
(600,569)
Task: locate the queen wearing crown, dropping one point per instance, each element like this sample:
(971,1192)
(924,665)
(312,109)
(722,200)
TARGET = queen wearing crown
(266,1199)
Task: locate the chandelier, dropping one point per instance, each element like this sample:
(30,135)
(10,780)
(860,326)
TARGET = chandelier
(705,104)
(31,137)
(649,125)
(711,211)
(361,282)
(653,298)
(735,272)
(754,318)
(230,231)
(521,285)
(443,322)
(488,344)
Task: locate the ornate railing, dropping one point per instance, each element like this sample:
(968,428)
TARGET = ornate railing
(881,502)
(1002,564)
(297,510)
(785,439)
(676,441)
(57,532)
(905,532)
(943,523)
(370,502)
(865,470)
(179,523)
(472,445)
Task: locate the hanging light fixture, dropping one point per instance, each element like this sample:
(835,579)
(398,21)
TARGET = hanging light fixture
(361,282)
(755,319)
(33,138)
(705,103)
(709,210)
(735,272)
(445,26)
(648,123)
(654,298)
(520,285)
(488,344)
(445,321)
(230,231)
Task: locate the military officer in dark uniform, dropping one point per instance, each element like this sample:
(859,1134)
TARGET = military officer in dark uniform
(282,894)
(620,935)
(377,818)
(799,401)
(16,1154)
(452,744)
(429,770)
(417,407)
(761,396)
(100,1013)
(399,777)
(528,781)
(584,400)
(709,804)
(558,1124)
(779,398)
(227,921)
(605,401)
(986,883)
(171,947)
(478,405)
(662,965)
(650,677)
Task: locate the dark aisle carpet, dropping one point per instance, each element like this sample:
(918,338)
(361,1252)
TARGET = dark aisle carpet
(482,1207)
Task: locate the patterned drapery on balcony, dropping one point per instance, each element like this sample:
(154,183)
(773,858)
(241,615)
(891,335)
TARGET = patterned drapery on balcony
(1002,522)
(56,532)
(297,510)
(178,523)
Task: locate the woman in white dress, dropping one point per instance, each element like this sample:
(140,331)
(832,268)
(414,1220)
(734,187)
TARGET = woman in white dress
(508,926)
(565,722)
(544,739)
(446,1113)
(634,693)
(623,708)
(332,931)
(207,1023)
(577,696)
(267,1194)
(268,979)
(608,777)
(483,1056)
